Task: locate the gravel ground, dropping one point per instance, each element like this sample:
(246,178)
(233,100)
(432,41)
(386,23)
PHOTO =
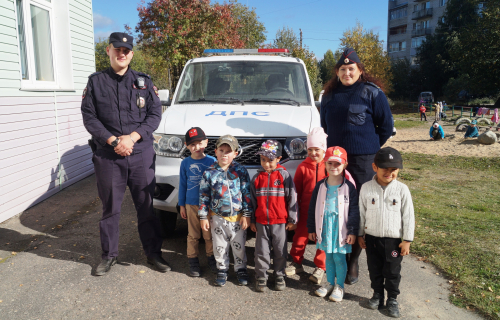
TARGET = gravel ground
(48,253)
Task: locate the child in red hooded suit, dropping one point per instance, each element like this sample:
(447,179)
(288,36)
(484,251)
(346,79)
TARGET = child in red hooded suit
(307,175)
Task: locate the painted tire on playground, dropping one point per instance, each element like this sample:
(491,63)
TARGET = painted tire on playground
(484,121)
(462,127)
(462,120)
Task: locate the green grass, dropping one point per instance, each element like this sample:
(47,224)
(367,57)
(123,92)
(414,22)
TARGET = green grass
(457,215)
(409,123)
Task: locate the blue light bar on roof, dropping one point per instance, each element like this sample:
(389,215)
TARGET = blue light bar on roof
(247,51)
(218,51)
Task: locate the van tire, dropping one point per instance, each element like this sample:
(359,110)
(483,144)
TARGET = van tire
(168,222)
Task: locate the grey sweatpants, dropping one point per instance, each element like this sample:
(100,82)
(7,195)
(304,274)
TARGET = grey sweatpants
(274,234)
(227,234)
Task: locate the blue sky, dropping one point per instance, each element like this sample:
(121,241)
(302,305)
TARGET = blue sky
(322,21)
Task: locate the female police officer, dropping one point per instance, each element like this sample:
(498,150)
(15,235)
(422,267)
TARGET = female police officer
(356,116)
(121,109)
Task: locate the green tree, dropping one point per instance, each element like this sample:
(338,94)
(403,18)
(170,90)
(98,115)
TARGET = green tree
(286,38)
(326,66)
(101,57)
(406,83)
(142,61)
(465,45)
(476,49)
(311,66)
(251,31)
(370,51)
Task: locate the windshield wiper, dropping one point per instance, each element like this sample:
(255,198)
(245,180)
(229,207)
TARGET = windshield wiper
(287,101)
(222,100)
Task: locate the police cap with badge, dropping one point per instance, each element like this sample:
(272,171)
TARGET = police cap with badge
(121,39)
(349,56)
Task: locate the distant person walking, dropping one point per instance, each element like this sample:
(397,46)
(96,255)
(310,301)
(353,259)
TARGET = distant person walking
(438,111)
(422,110)
(356,116)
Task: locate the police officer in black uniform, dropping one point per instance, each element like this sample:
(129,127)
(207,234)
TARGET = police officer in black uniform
(121,109)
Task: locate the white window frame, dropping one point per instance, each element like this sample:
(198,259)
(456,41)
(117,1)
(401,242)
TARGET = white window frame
(60,46)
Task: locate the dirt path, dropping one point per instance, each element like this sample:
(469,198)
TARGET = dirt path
(417,140)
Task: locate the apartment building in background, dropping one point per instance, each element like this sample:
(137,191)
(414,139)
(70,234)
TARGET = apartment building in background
(409,22)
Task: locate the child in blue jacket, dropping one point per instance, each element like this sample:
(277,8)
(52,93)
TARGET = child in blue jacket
(436,131)
(472,131)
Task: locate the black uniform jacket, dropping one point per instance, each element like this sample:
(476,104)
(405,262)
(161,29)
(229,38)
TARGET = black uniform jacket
(111,106)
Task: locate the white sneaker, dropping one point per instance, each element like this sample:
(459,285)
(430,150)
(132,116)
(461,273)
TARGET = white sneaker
(337,294)
(317,275)
(323,291)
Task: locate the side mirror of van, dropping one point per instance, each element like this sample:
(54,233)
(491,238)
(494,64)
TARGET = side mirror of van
(164,97)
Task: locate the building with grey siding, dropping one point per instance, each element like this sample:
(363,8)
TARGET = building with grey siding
(46,56)
(409,22)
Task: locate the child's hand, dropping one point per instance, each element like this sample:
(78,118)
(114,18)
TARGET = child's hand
(205,225)
(432,138)
(244,223)
(361,242)
(183,212)
(351,239)
(290,226)
(405,248)
(253,227)
(312,236)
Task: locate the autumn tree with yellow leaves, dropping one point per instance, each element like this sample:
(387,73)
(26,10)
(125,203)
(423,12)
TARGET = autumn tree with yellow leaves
(370,50)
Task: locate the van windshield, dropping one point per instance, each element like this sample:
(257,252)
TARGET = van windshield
(244,82)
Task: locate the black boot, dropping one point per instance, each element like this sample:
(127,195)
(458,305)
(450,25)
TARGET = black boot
(353,264)
(377,301)
(212,264)
(393,308)
(194,267)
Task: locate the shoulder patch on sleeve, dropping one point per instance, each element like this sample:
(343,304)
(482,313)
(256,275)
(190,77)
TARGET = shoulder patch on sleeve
(143,74)
(84,93)
(156,91)
(95,73)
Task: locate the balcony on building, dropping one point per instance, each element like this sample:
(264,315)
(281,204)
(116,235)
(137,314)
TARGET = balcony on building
(398,30)
(420,14)
(421,32)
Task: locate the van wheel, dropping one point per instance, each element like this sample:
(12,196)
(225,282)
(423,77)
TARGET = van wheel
(168,221)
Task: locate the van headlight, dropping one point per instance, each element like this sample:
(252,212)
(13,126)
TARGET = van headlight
(168,145)
(296,148)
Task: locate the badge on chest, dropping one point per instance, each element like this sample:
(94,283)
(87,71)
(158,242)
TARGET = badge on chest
(141,102)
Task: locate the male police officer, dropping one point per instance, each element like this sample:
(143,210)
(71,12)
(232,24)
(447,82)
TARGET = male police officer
(121,109)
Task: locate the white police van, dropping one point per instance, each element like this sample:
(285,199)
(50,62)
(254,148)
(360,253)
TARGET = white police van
(252,94)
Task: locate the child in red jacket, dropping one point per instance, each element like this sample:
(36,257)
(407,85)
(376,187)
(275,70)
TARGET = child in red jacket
(275,210)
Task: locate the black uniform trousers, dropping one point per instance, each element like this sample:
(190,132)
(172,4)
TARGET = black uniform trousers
(113,174)
(384,264)
(360,167)
(361,170)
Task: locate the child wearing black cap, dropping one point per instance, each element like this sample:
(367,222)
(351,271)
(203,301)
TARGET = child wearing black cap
(190,175)
(387,224)
(275,210)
